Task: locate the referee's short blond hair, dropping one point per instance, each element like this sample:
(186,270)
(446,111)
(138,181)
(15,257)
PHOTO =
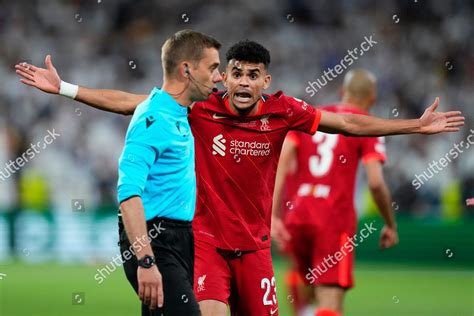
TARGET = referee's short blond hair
(185,45)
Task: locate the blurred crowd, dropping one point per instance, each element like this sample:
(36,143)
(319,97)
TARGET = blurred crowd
(424,49)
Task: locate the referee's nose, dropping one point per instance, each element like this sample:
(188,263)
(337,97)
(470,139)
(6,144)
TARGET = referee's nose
(216,76)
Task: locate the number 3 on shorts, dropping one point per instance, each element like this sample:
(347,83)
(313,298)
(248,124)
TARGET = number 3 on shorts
(267,285)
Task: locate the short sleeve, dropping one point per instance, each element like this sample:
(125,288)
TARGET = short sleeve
(294,137)
(373,148)
(143,145)
(302,116)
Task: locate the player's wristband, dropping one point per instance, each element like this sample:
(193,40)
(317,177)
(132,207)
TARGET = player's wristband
(68,90)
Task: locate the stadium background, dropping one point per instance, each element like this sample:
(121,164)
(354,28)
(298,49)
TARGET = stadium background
(57,223)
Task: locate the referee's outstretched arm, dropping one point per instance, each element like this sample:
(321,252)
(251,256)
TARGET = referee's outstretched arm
(48,80)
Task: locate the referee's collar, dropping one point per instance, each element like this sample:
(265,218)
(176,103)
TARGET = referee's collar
(167,101)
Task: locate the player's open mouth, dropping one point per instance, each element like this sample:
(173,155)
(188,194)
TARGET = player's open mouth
(242,97)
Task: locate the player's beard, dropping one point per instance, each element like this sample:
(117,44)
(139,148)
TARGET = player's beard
(246,111)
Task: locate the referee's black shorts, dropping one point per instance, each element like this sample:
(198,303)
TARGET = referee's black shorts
(173,246)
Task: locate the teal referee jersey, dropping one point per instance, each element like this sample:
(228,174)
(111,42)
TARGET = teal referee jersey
(157,162)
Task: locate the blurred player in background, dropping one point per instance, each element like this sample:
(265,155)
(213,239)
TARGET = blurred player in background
(238,135)
(321,215)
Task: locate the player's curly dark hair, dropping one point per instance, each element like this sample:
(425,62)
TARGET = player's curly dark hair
(249,51)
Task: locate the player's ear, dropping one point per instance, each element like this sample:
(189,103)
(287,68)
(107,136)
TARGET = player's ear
(224,78)
(267,81)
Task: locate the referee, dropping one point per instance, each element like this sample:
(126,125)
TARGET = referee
(157,183)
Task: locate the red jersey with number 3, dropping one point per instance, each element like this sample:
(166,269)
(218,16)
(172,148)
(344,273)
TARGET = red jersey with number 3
(326,174)
(236,161)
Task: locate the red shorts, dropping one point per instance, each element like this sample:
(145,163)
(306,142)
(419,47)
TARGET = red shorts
(323,255)
(242,280)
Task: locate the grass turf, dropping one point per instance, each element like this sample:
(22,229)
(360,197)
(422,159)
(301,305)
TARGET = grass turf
(381,290)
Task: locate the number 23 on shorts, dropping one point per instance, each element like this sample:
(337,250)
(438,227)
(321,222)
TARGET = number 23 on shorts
(269,294)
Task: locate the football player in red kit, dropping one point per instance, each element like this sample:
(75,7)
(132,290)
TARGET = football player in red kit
(238,137)
(323,217)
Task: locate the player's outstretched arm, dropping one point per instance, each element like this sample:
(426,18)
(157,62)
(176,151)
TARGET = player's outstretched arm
(48,80)
(383,200)
(431,122)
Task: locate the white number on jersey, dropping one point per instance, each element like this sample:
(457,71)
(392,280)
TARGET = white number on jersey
(319,166)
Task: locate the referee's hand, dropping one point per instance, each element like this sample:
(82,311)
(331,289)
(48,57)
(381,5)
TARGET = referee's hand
(45,79)
(150,287)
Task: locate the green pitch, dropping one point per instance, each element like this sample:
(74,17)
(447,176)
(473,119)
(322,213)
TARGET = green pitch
(381,290)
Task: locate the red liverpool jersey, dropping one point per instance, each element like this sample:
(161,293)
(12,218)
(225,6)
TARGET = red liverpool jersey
(236,162)
(326,173)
